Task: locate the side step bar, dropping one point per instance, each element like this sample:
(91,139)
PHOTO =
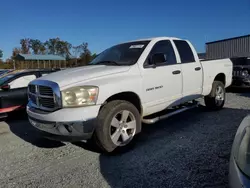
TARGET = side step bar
(156,119)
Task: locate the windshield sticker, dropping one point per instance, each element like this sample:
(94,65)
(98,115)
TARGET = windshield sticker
(137,46)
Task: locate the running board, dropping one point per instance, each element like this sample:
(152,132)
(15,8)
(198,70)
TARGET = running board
(156,119)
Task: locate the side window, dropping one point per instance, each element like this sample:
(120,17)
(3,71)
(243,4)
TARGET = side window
(185,51)
(22,81)
(166,48)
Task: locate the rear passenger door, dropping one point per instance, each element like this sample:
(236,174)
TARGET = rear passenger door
(17,94)
(191,71)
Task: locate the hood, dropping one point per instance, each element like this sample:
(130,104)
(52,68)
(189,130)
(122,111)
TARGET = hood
(74,75)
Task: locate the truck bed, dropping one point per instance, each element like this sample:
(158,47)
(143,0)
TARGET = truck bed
(211,68)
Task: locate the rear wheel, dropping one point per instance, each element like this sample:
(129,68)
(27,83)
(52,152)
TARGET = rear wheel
(117,125)
(216,99)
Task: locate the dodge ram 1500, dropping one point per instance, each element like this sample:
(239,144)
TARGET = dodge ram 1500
(135,82)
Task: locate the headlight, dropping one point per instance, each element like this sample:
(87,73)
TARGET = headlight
(242,147)
(79,96)
(244,73)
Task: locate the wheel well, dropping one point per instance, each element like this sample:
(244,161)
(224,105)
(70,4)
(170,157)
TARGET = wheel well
(127,96)
(221,77)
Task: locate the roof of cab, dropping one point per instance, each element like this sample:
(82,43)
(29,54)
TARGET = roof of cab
(153,39)
(156,38)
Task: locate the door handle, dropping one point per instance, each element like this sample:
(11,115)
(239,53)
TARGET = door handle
(197,69)
(176,72)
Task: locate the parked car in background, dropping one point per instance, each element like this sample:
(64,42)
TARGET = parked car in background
(241,72)
(5,71)
(13,89)
(127,84)
(239,168)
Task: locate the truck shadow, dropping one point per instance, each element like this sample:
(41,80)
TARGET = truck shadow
(247,94)
(244,92)
(191,149)
(20,126)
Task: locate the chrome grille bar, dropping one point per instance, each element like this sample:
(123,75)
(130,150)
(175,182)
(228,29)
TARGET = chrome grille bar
(237,72)
(44,95)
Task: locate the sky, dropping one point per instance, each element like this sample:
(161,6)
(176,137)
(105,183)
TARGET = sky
(103,23)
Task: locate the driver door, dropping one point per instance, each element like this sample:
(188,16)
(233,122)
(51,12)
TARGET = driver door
(162,82)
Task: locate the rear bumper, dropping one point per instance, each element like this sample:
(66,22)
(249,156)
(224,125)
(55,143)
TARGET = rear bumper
(71,124)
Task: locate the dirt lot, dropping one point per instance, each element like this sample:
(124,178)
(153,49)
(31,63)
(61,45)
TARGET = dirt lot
(188,150)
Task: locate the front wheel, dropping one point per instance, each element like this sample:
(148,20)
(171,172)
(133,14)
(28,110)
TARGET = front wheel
(216,99)
(118,123)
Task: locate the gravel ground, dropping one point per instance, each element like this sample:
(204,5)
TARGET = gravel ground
(191,149)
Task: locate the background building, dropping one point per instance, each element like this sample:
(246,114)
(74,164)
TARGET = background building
(237,47)
(29,61)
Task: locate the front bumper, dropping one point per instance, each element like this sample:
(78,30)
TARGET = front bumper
(71,124)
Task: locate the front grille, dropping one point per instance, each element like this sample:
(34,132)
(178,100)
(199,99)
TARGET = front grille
(32,98)
(43,96)
(44,90)
(32,88)
(237,73)
(47,102)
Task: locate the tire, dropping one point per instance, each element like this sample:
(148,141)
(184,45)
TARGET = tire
(216,100)
(107,136)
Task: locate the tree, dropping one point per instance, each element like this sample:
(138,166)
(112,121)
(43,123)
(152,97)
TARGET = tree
(42,49)
(11,61)
(56,46)
(25,45)
(94,55)
(15,52)
(36,45)
(1,53)
(63,48)
(51,45)
(78,50)
(86,55)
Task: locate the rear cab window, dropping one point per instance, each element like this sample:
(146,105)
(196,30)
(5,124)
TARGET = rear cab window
(185,51)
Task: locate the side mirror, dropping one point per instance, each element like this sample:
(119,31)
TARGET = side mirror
(5,87)
(158,58)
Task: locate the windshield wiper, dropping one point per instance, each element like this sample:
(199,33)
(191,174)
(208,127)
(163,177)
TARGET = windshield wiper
(107,63)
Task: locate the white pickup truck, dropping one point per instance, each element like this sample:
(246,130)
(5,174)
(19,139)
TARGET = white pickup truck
(126,85)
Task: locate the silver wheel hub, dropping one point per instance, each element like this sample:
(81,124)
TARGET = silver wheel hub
(219,95)
(122,128)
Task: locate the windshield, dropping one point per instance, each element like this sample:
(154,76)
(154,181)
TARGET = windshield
(122,54)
